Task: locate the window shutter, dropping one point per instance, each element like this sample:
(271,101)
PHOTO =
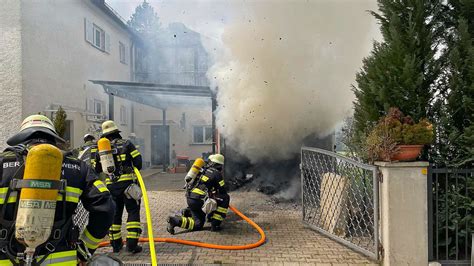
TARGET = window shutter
(88,30)
(107,42)
(126,54)
(90,106)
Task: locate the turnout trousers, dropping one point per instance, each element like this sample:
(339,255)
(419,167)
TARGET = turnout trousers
(133,221)
(194,218)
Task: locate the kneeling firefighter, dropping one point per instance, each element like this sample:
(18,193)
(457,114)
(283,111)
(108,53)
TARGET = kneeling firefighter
(208,183)
(117,157)
(39,192)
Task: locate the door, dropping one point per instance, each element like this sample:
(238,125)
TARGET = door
(160,145)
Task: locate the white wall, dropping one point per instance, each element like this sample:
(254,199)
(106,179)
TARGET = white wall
(58,62)
(10,69)
(181,140)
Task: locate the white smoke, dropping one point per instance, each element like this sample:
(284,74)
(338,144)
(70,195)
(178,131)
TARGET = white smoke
(287,72)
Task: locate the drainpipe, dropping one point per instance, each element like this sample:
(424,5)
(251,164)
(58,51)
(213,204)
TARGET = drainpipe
(166,156)
(214,106)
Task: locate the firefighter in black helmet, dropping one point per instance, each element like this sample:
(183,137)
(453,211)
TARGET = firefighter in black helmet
(66,245)
(88,150)
(211,184)
(126,156)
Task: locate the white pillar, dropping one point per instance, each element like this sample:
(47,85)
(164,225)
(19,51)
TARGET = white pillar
(404,213)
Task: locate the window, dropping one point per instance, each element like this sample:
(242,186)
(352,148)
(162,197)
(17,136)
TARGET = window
(96,36)
(123,53)
(99,37)
(123,115)
(202,134)
(98,107)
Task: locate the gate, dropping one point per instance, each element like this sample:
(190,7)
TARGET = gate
(340,199)
(450,215)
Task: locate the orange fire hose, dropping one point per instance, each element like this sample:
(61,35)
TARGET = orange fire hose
(208,245)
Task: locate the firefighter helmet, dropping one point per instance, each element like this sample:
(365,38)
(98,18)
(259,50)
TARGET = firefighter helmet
(217,158)
(109,127)
(88,137)
(33,125)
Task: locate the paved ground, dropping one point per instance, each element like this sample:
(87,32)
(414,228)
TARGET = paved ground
(288,242)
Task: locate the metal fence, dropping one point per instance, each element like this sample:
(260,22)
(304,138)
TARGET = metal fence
(340,199)
(451,218)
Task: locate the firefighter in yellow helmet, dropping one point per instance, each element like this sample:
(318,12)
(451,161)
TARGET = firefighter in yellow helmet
(78,182)
(126,157)
(209,184)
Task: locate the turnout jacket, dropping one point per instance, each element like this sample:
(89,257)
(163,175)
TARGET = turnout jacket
(210,182)
(126,156)
(81,185)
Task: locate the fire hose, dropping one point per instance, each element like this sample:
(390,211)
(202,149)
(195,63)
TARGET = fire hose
(151,240)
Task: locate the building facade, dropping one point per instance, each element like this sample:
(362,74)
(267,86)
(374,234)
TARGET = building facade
(50,50)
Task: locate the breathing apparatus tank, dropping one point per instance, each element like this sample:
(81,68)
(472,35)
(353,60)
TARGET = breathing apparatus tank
(38,195)
(106,156)
(195,169)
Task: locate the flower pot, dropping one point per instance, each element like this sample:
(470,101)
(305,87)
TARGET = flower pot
(407,153)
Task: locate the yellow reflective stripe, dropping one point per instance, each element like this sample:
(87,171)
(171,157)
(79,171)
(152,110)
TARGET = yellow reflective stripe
(134,153)
(3,190)
(116,227)
(222,210)
(72,194)
(64,258)
(89,240)
(100,186)
(198,191)
(73,190)
(133,235)
(184,221)
(123,157)
(11,199)
(204,178)
(124,177)
(221,183)
(217,217)
(131,225)
(191,223)
(5,263)
(115,236)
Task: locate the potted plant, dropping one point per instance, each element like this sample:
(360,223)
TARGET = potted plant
(398,138)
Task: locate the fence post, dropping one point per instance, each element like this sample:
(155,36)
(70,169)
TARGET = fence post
(404,213)
(430,213)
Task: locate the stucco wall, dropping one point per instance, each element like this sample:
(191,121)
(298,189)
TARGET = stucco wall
(10,69)
(181,138)
(58,62)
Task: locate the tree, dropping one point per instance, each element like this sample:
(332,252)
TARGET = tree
(59,121)
(458,118)
(403,70)
(145,21)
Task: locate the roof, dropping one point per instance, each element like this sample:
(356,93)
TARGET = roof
(109,11)
(152,94)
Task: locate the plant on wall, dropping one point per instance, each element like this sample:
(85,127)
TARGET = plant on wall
(393,132)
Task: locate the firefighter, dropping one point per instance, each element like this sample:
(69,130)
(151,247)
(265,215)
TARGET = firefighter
(126,156)
(211,184)
(65,244)
(88,150)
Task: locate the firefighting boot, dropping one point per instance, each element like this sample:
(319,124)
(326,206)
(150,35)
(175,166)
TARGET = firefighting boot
(215,228)
(173,221)
(132,245)
(117,245)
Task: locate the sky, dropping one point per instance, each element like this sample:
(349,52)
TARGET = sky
(207,17)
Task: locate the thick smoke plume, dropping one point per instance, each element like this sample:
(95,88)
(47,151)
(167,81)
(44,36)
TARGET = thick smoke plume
(287,73)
